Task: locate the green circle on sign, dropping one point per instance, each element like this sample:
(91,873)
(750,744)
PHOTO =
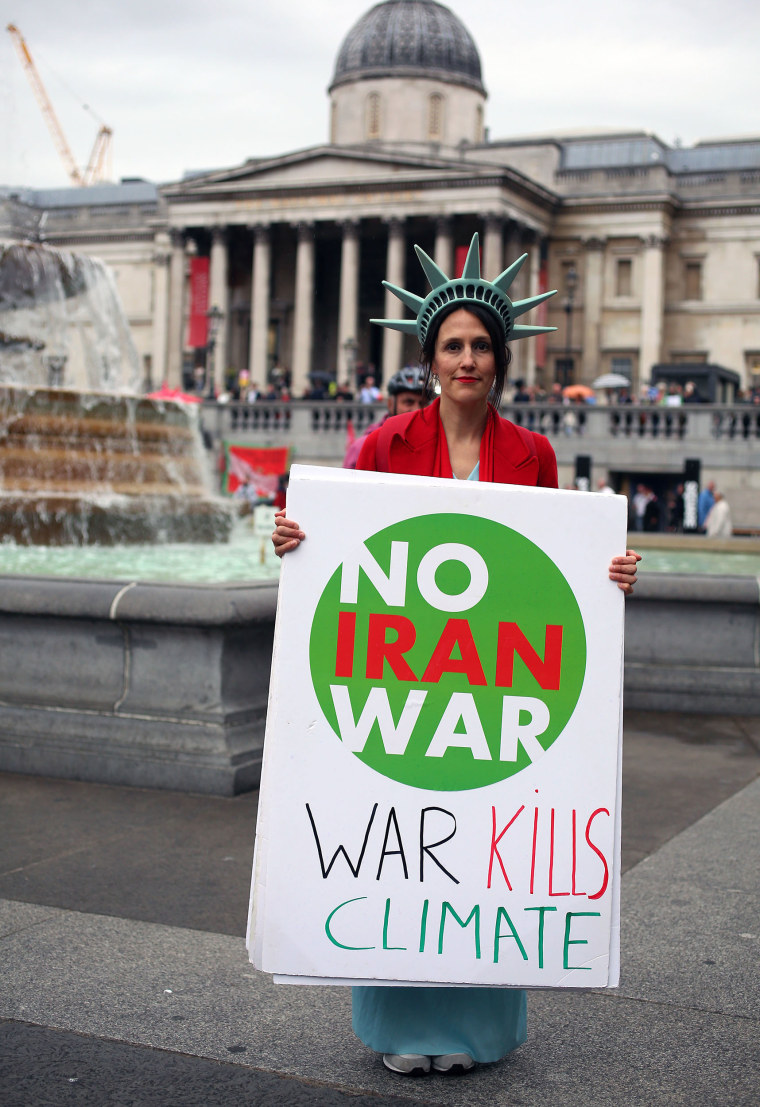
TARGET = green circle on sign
(457,698)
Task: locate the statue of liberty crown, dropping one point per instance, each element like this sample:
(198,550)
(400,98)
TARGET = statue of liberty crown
(469,289)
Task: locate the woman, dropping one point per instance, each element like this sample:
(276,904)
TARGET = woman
(463,326)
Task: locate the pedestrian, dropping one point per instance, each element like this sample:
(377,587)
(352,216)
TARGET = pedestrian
(675,506)
(407,391)
(705,503)
(641,499)
(459,436)
(718,523)
(652,513)
(370,393)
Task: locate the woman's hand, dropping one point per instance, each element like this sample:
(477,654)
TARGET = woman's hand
(623,570)
(287,534)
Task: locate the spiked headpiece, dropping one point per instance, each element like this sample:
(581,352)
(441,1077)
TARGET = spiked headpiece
(469,289)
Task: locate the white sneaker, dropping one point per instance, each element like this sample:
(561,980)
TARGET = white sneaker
(453,1063)
(407,1064)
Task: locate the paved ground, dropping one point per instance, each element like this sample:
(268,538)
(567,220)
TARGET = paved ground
(125,980)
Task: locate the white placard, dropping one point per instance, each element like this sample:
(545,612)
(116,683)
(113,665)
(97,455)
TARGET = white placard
(440,797)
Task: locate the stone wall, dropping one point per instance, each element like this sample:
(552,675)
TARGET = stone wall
(691,645)
(159,686)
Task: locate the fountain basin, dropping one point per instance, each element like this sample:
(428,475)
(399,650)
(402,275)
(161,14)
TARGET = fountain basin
(150,685)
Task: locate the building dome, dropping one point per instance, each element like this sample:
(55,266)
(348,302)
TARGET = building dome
(409,38)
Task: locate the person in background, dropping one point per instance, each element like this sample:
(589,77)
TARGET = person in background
(641,499)
(652,513)
(406,392)
(675,507)
(674,397)
(369,393)
(705,503)
(718,523)
(522,395)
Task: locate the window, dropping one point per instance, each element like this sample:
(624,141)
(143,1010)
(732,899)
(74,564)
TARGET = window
(622,365)
(623,277)
(693,280)
(373,115)
(479,123)
(435,117)
(752,363)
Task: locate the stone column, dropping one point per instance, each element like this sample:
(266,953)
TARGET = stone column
(443,253)
(260,282)
(493,247)
(348,312)
(530,345)
(515,246)
(512,251)
(393,341)
(593,286)
(159,350)
(652,304)
(303,320)
(219,297)
(175,341)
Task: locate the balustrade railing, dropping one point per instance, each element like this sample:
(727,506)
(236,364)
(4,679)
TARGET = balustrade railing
(698,421)
(321,430)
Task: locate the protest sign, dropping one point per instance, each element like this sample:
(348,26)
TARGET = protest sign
(440,797)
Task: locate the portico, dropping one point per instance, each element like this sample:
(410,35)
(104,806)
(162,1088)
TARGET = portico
(299,285)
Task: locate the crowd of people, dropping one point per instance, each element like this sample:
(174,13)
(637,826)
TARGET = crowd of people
(366,389)
(650,512)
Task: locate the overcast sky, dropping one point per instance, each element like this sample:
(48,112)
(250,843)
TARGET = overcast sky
(188,84)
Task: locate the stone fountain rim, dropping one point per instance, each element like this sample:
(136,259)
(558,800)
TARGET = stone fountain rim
(203,604)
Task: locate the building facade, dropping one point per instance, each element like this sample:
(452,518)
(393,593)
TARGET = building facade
(654,250)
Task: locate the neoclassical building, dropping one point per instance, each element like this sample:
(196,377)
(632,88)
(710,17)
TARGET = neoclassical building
(655,250)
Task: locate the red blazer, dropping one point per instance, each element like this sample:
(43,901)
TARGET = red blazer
(410,444)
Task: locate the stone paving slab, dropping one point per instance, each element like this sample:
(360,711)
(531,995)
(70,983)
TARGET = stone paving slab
(90,1072)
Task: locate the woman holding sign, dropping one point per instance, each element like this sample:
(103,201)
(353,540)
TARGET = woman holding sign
(463,326)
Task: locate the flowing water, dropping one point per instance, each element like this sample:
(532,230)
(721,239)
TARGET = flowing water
(83,458)
(62,323)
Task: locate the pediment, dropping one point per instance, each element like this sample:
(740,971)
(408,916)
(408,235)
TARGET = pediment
(319,166)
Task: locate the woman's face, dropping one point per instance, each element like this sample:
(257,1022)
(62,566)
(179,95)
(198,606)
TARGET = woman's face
(464,360)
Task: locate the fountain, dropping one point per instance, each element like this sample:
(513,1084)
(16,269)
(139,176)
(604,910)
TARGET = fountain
(83,458)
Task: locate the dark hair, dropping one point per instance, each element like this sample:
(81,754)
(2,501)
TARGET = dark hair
(501,352)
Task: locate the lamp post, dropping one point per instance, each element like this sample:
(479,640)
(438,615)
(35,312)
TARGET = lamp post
(214,317)
(571,284)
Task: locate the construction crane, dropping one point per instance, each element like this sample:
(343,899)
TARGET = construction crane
(97,166)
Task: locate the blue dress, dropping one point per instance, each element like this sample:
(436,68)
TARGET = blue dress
(487,1023)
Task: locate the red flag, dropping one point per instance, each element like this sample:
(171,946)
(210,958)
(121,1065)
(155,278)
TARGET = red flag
(197,324)
(260,466)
